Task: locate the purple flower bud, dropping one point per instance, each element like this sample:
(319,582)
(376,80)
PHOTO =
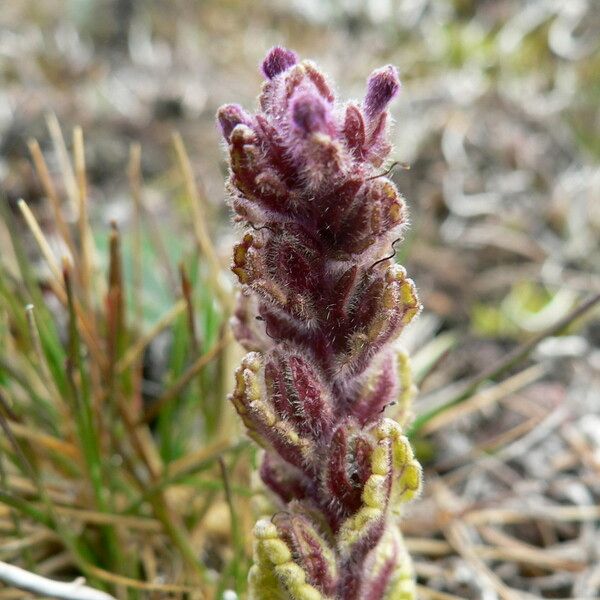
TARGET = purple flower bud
(314,554)
(310,114)
(354,130)
(382,86)
(277,61)
(230,116)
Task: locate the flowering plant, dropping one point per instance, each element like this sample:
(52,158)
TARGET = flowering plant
(322,303)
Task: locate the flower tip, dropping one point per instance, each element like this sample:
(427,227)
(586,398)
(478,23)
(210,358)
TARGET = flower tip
(382,86)
(309,113)
(229,117)
(277,61)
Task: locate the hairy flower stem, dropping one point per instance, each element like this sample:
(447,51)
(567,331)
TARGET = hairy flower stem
(322,303)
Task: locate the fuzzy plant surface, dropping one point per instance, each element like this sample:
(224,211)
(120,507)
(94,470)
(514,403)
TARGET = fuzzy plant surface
(321,306)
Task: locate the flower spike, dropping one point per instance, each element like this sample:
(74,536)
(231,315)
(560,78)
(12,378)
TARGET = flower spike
(321,305)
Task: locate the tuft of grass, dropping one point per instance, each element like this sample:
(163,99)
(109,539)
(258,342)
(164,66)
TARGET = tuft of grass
(120,466)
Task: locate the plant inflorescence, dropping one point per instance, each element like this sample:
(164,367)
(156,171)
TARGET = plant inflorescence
(322,304)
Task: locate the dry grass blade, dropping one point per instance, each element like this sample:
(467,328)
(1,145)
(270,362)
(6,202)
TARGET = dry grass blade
(86,257)
(427,592)
(486,397)
(187,291)
(66,168)
(42,242)
(177,387)
(44,441)
(134,172)
(427,546)
(509,548)
(190,461)
(51,193)
(199,221)
(457,534)
(543,513)
(134,353)
(15,548)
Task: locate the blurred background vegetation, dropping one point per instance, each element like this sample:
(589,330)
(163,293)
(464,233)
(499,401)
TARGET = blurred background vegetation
(120,458)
